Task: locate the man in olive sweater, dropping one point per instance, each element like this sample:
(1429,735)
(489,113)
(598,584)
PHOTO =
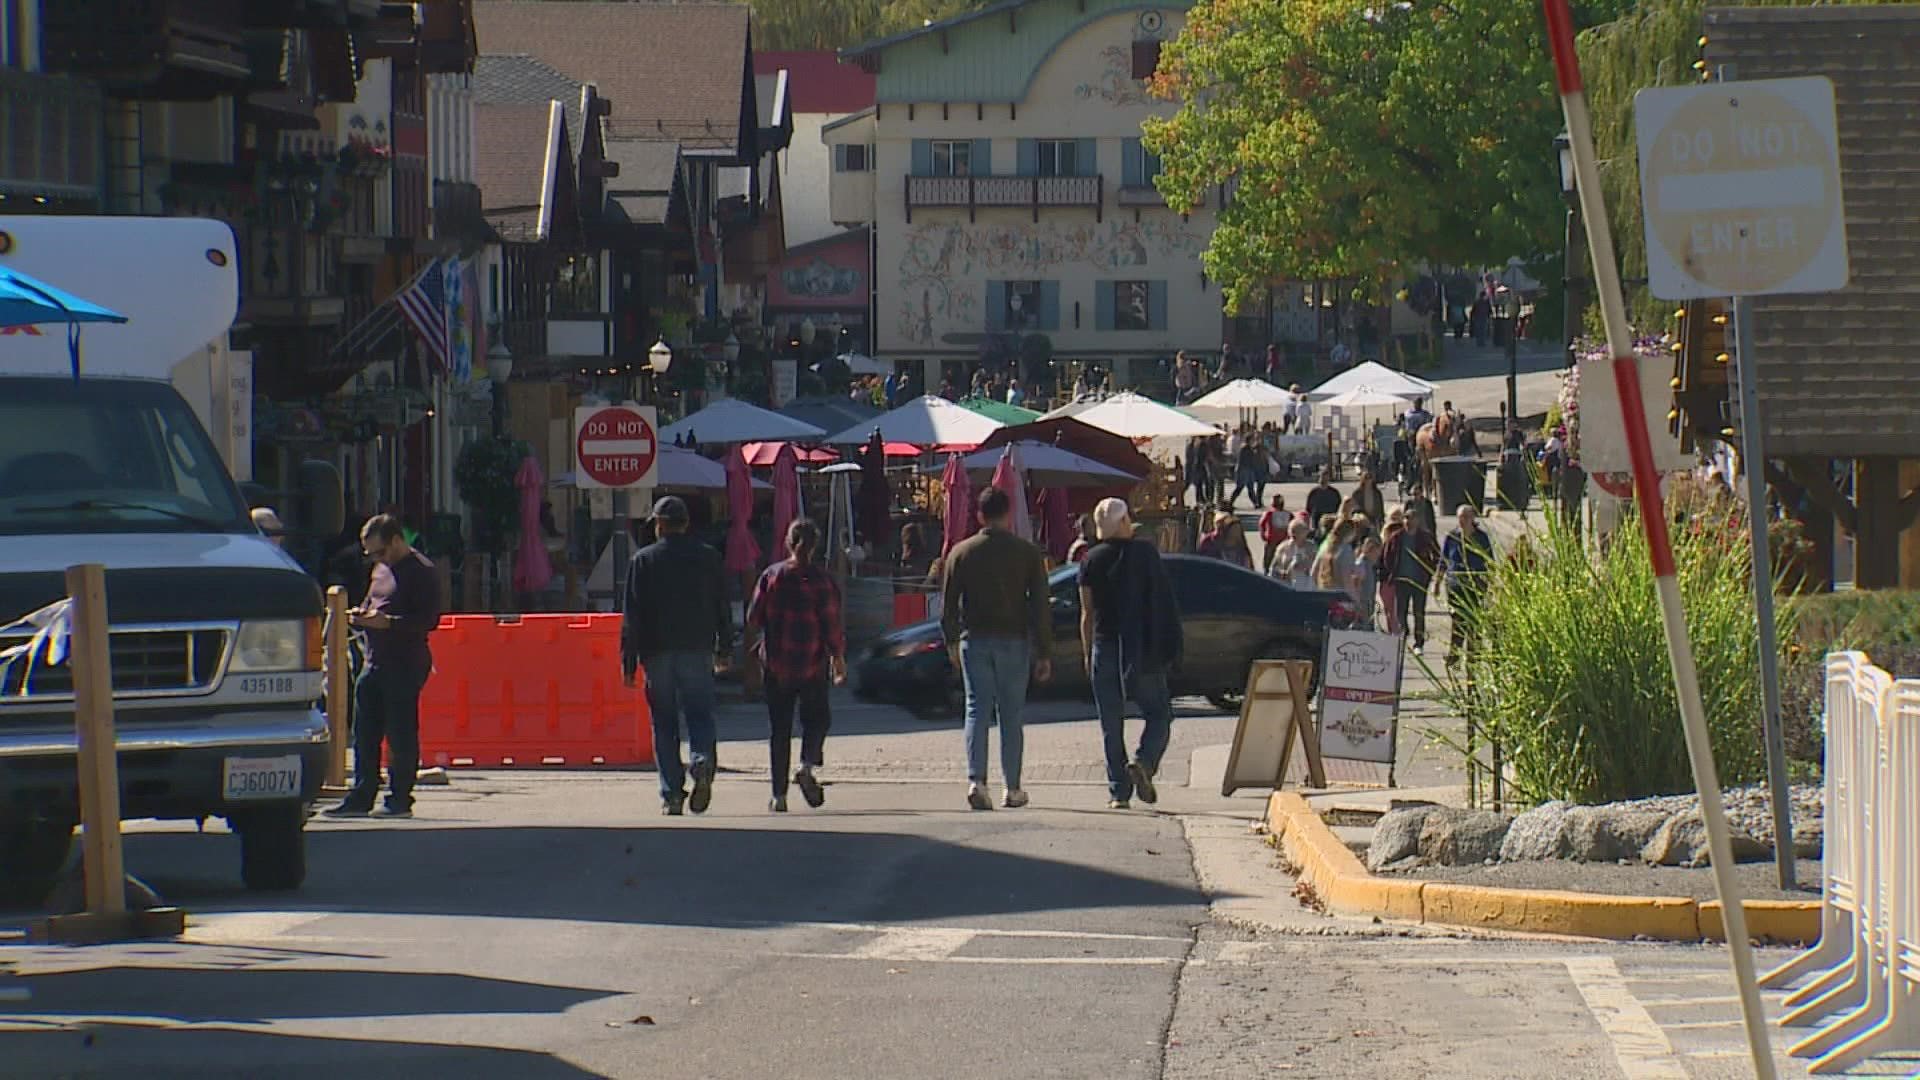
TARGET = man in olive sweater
(997,621)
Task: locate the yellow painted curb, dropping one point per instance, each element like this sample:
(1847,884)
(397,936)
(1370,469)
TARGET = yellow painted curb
(1794,922)
(1338,877)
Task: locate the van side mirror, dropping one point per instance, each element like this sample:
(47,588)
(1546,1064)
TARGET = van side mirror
(322,498)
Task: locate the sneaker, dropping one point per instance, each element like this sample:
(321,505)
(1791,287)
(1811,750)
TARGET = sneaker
(1118,804)
(810,788)
(1143,783)
(702,796)
(347,810)
(393,812)
(977,797)
(777,805)
(671,805)
(1015,799)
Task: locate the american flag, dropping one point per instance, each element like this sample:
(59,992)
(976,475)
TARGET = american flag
(424,305)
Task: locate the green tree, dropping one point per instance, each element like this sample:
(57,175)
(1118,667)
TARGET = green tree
(1358,138)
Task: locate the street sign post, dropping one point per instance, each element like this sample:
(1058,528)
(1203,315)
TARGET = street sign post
(616,447)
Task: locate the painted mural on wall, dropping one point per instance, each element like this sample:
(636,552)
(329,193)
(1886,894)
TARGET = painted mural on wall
(943,263)
(1115,85)
(820,280)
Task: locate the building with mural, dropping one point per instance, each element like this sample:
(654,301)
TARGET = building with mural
(1012,203)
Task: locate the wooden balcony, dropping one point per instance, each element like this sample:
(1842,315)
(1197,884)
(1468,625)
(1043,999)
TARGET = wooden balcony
(1146,196)
(161,49)
(972,193)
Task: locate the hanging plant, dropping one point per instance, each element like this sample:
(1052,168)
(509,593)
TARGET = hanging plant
(484,474)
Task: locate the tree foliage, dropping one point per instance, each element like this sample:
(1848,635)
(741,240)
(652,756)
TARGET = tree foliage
(1359,137)
(837,24)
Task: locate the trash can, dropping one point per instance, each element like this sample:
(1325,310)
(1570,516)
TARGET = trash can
(1462,481)
(1516,488)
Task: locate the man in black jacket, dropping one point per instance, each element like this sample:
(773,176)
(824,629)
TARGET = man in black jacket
(676,620)
(1130,631)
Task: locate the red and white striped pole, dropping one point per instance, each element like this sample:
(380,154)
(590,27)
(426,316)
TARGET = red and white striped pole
(1653,517)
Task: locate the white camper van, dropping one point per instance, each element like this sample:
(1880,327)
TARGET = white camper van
(215,633)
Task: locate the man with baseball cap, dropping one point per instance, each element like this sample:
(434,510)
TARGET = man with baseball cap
(1130,631)
(675,622)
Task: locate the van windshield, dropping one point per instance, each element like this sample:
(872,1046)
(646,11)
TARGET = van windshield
(108,456)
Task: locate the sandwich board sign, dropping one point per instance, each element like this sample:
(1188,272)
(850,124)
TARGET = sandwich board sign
(1360,696)
(1276,710)
(1740,183)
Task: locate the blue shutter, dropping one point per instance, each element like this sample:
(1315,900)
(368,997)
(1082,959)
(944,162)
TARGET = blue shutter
(983,157)
(1029,158)
(1086,157)
(1049,305)
(1132,164)
(1103,305)
(1149,167)
(839,157)
(996,305)
(1156,305)
(923,157)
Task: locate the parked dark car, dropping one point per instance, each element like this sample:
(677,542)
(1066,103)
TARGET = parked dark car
(1232,617)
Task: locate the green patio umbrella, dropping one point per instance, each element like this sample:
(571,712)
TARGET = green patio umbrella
(1009,415)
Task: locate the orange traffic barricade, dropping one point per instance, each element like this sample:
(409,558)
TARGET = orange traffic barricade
(529,691)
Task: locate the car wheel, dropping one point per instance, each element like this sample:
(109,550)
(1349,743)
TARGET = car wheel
(1231,700)
(273,847)
(31,857)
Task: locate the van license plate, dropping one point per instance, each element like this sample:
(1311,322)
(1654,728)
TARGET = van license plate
(250,778)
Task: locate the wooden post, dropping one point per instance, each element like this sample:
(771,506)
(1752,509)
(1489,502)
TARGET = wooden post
(338,666)
(92,666)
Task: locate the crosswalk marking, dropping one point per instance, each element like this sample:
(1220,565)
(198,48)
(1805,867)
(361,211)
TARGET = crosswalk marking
(915,943)
(1639,1045)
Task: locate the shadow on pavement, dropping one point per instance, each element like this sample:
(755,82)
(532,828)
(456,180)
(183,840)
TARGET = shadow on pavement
(96,1049)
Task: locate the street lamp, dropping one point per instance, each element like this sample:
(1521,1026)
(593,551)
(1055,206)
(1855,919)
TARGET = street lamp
(731,349)
(499,370)
(1570,268)
(807,332)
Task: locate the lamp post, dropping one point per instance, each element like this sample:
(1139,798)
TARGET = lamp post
(1572,257)
(659,359)
(499,370)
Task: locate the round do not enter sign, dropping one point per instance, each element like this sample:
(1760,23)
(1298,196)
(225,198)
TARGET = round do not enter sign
(615,446)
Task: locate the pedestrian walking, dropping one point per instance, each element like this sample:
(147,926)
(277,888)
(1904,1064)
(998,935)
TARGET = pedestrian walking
(997,619)
(401,608)
(1466,558)
(1383,571)
(1246,470)
(1324,499)
(1333,564)
(1421,507)
(1226,541)
(1412,557)
(796,610)
(1366,581)
(1368,499)
(1130,636)
(1083,539)
(1273,530)
(675,622)
(1199,471)
(1293,562)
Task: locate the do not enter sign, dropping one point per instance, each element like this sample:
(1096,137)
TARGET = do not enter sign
(1740,183)
(615,446)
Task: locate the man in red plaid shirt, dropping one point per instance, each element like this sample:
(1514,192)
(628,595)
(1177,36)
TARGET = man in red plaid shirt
(796,610)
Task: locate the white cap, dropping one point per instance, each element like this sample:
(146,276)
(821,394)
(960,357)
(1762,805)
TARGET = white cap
(267,521)
(1111,519)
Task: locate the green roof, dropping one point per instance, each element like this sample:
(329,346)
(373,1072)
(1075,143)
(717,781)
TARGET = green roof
(1000,410)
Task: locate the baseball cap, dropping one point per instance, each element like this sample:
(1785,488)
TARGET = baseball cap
(1110,517)
(670,509)
(267,521)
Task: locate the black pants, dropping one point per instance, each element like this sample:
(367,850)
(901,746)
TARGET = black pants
(815,719)
(1411,597)
(1466,616)
(386,708)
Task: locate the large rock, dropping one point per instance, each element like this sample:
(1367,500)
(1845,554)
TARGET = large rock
(1608,833)
(1396,835)
(1540,833)
(1453,837)
(1682,841)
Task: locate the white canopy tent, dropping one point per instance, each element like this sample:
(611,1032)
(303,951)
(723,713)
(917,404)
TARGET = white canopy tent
(1376,376)
(1138,417)
(731,420)
(925,421)
(1243,394)
(1045,465)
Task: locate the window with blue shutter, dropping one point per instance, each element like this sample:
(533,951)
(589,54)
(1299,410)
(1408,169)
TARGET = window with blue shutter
(1133,171)
(1086,157)
(1027,155)
(1156,305)
(923,157)
(1103,305)
(1149,165)
(1049,305)
(983,157)
(996,305)
(1132,304)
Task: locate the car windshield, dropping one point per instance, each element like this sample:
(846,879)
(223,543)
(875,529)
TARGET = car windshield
(108,456)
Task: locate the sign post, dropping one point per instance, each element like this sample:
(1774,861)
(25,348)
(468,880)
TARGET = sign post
(1741,182)
(616,447)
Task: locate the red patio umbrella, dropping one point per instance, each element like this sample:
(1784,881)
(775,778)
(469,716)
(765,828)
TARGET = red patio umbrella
(1056,524)
(532,569)
(786,498)
(959,518)
(762,454)
(743,555)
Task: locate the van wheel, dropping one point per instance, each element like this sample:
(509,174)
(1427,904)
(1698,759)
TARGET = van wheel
(31,857)
(273,847)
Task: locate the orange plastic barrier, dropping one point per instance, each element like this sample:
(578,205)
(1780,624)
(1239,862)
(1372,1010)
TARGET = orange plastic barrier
(912,607)
(537,690)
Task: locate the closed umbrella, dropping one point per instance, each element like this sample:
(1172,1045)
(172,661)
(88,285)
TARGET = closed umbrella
(532,569)
(743,555)
(876,499)
(786,498)
(1010,479)
(960,522)
(1056,524)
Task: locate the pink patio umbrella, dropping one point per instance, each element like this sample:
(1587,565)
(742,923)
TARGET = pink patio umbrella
(1056,524)
(960,521)
(743,555)
(786,498)
(532,568)
(1010,478)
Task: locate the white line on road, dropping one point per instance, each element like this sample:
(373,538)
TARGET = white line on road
(1639,1045)
(915,943)
(1685,1002)
(1063,935)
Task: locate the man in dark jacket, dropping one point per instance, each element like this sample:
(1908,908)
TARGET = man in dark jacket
(1130,629)
(676,620)
(1410,559)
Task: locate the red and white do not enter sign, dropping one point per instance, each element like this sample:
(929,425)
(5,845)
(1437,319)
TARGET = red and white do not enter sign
(615,446)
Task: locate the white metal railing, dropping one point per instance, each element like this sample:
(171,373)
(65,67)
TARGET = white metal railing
(1865,968)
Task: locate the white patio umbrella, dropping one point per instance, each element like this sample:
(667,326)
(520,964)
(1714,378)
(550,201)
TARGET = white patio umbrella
(731,420)
(1376,376)
(1363,398)
(1251,394)
(1044,465)
(925,421)
(1137,417)
(681,468)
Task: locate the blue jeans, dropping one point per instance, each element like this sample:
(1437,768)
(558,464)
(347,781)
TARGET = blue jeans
(680,682)
(995,672)
(1149,691)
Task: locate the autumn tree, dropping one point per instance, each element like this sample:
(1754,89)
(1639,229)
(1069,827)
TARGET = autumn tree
(837,24)
(1358,137)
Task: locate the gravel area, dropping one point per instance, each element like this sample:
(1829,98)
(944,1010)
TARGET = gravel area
(1758,881)
(1749,809)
